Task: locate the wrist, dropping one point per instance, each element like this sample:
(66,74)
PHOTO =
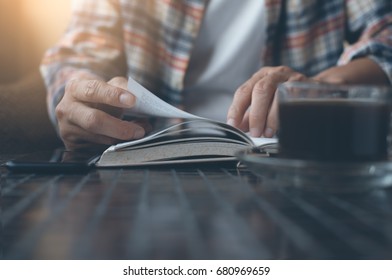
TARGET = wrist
(359,71)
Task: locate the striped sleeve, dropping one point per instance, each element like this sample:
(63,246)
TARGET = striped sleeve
(373,21)
(92,47)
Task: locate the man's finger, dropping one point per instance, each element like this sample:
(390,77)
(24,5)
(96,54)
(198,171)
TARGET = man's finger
(98,122)
(120,82)
(76,138)
(262,97)
(241,101)
(95,91)
(271,125)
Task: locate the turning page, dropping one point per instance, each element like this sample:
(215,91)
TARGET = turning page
(148,104)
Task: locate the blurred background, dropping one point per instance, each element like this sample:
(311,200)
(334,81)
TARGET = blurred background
(27,29)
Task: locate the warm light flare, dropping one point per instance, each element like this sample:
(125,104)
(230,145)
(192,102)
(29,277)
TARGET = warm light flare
(28,28)
(45,19)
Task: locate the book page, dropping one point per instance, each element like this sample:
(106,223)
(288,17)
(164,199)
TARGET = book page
(144,139)
(148,104)
(179,128)
(262,141)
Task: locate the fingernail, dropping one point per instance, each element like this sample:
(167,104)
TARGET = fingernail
(139,133)
(126,99)
(269,132)
(255,132)
(231,122)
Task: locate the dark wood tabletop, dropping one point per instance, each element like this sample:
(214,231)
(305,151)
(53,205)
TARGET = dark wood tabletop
(186,212)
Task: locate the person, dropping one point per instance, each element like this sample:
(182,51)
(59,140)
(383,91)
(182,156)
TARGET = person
(219,58)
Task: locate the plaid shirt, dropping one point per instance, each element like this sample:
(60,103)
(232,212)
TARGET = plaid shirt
(151,40)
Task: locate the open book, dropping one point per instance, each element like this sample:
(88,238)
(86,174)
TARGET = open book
(196,139)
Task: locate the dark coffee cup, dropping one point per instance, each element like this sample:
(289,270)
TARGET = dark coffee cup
(334,123)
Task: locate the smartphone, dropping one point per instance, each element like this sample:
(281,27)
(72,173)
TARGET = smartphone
(58,161)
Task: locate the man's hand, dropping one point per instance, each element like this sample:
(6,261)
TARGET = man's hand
(89,114)
(255,104)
